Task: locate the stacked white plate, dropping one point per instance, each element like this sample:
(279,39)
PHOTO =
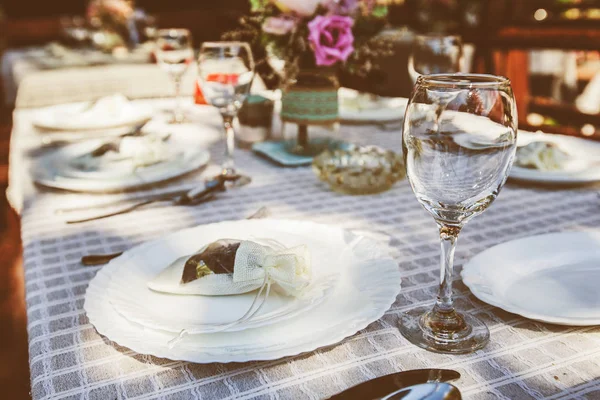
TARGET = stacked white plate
(477,132)
(354,283)
(583,167)
(61,170)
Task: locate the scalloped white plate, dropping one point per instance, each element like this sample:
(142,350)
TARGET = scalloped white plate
(551,278)
(54,169)
(583,168)
(366,284)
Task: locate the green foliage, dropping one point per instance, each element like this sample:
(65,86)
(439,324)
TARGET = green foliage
(257,5)
(380,11)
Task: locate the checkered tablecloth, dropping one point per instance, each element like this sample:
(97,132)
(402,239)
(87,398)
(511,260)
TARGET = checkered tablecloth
(28,84)
(524,359)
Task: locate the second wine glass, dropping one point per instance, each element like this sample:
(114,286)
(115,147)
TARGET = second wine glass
(174,54)
(435,54)
(225,73)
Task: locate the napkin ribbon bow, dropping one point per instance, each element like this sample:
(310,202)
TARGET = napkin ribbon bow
(288,268)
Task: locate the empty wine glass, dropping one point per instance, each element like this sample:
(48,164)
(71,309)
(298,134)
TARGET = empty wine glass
(225,73)
(174,54)
(459,142)
(435,54)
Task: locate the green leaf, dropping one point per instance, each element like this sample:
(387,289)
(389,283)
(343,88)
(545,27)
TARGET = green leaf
(380,11)
(256,5)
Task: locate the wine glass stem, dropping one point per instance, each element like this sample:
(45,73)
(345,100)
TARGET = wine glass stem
(448,238)
(228,164)
(177,114)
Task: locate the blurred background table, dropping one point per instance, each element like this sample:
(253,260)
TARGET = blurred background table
(30,83)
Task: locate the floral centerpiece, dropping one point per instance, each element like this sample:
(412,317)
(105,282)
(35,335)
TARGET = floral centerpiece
(115,18)
(312,39)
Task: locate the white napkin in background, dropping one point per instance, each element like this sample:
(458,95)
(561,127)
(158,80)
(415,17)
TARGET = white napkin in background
(107,112)
(110,107)
(589,101)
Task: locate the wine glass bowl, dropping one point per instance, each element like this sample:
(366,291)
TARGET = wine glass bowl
(225,74)
(459,142)
(174,54)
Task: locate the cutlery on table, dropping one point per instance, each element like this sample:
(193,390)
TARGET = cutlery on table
(385,385)
(192,197)
(165,195)
(99,259)
(426,391)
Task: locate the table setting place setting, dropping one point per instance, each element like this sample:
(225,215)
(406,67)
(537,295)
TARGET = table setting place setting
(303,251)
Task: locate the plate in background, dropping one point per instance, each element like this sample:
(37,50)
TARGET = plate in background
(552,278)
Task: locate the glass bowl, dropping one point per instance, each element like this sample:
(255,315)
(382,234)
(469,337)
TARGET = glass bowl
(359,169)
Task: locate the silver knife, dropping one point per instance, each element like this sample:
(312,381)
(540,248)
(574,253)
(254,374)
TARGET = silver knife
(108,204)
(382,386)
(192,197)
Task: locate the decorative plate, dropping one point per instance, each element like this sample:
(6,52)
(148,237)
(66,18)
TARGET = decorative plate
(56,170)
(365,283)
(583,168)
(551,278)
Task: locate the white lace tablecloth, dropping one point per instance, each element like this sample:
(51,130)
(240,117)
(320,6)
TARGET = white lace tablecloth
(69,360)
(28,84)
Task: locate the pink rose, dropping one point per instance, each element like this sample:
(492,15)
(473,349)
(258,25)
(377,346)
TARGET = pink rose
(278,25)
(331,38)
(303,8)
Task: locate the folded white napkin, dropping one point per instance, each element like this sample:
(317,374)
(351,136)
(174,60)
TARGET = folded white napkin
(589,101)
(110,111)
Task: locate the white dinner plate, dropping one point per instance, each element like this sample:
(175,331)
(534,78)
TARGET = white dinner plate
(552,278)
(583,168)
(55,169)
(374,109)
(359,279)
(108,113)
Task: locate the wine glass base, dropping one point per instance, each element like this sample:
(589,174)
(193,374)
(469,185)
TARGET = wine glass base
(228,171)
(234,176)
(474,337)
